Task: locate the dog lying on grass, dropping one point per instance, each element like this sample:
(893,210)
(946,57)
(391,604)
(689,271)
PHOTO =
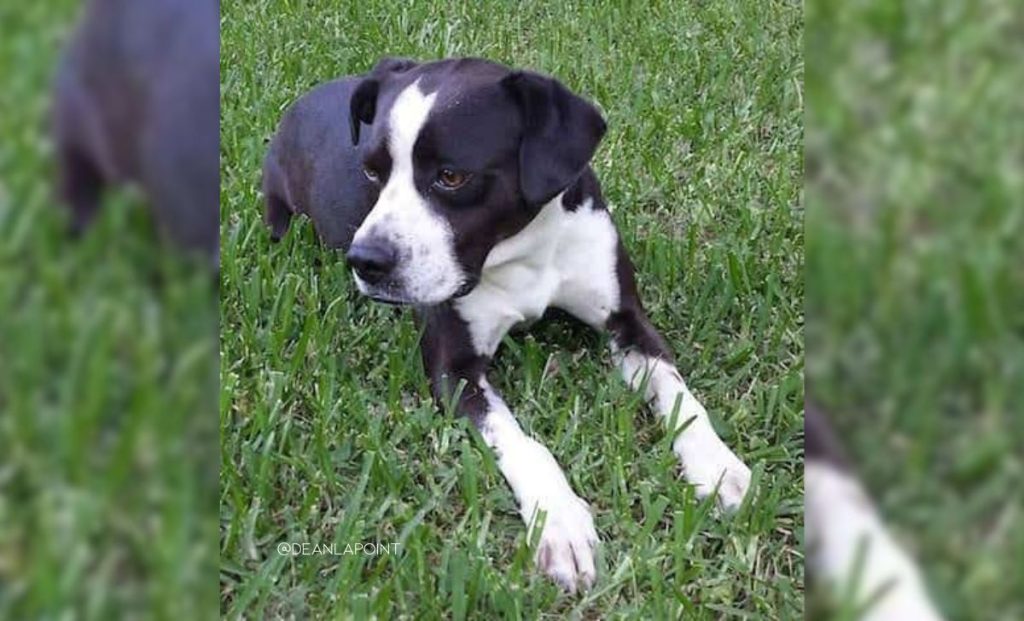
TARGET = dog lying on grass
(463,188)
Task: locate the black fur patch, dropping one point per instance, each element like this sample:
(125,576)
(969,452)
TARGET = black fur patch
(521,138)
(820,441)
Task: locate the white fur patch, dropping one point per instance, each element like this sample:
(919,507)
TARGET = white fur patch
(842,525)
(568,259)
(565,551)
(427,271)
(707,461)
(562,258)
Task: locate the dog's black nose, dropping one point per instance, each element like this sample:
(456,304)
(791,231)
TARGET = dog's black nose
(372,259)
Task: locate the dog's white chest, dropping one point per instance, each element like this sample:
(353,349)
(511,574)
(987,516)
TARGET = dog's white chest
(563,259)
(512,295)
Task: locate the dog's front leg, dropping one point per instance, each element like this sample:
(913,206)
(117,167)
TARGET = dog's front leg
(565,551)
(849,548)
(646,362)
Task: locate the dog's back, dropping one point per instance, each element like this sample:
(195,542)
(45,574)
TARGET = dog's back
(312,167)
(137,100)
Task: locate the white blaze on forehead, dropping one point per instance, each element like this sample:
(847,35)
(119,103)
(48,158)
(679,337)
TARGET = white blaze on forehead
(428,271)
(408,116)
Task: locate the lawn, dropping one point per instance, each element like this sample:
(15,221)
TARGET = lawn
(328,434)
(915,278)
(107,381)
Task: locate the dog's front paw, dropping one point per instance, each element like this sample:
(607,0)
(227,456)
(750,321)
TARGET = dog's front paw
(708,464)
(566,548)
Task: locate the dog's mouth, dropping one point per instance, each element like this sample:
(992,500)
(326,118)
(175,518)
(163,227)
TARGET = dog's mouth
(386,299)
(467,286)
(392,293)
(384,295)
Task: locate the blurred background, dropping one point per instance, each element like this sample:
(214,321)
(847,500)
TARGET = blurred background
(915,277)
(108,352)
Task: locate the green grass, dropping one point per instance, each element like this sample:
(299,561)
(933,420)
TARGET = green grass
(107,382)
(915,279)
(327,430)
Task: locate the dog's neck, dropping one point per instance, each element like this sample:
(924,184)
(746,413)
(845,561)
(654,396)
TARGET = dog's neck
(534,246)
(563,253)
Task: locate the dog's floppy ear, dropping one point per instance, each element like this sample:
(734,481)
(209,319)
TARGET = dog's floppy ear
(560,134)
(363,105)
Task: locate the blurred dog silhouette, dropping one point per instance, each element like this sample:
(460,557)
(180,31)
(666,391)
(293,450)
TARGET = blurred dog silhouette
(847,541)
(137,101)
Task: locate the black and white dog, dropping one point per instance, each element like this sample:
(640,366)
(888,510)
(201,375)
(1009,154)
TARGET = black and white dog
(475,203)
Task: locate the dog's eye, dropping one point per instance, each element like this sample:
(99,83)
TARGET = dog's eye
(449,179)
(371,174)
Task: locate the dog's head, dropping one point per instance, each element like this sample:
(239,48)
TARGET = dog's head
(463,153)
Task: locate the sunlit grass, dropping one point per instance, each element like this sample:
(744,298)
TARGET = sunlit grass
(327,430)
